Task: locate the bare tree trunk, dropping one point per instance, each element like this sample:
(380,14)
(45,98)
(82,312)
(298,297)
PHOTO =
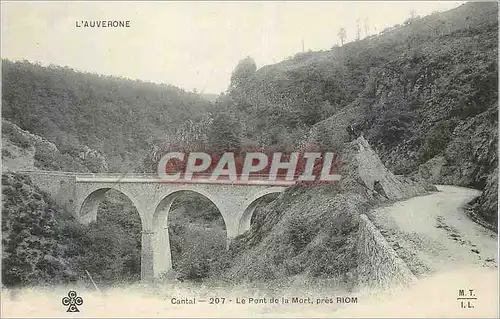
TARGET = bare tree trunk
(93,282)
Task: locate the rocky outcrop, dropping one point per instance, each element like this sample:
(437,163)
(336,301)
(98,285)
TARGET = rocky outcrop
(471,155)
(432,170)
(470,160)
(332,133)
(22,150)
(363,171)
(485,207)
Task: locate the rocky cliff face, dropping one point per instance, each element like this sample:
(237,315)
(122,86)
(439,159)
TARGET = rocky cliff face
(471,160)
(363,171)
(486,206)
(22,150)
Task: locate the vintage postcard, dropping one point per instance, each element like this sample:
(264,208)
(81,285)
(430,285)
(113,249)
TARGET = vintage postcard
(251,159)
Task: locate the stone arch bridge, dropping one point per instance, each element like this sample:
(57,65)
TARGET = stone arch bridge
(81,194)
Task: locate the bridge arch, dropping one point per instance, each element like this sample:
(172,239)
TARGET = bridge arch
(87,211)
(162,254)
(163,207)
(250,206)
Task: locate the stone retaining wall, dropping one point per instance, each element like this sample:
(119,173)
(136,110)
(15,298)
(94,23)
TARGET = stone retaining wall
(379,265)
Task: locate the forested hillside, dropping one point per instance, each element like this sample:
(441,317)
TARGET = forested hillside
(424,95)
(117,117)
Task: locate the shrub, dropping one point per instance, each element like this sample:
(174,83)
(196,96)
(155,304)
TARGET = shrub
(204,253)
(300,233)
(437,137)
(15,135)
(31,252)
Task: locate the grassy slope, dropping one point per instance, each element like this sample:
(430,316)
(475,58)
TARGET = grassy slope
(306,233)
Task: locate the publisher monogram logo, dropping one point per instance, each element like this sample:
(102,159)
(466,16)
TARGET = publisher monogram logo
(72,301)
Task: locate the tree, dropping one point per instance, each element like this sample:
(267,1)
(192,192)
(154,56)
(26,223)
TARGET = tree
(367,27)
(358,30)
(224,135)
(241,75)
(342,35)
(243,71)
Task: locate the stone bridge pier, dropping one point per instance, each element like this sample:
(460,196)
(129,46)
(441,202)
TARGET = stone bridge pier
(153,198)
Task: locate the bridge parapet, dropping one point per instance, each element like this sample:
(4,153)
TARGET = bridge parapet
(52,173)
(254,179)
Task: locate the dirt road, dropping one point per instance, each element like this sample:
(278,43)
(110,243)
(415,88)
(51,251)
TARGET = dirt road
(433,234)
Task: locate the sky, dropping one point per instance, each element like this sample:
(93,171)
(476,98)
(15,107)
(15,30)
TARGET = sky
(192,45)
